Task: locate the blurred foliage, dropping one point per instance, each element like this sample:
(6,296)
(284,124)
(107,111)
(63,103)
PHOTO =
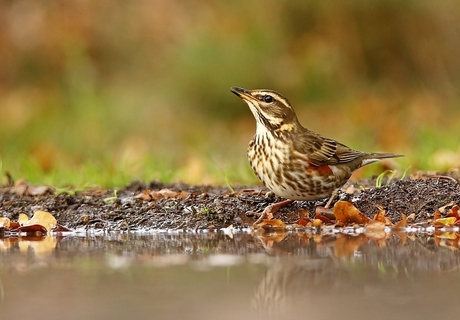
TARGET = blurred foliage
(109,91)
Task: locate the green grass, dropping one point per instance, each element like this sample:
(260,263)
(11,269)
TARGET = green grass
(83,104)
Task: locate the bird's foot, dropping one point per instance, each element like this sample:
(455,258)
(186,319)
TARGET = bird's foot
(333,196)
(272,209)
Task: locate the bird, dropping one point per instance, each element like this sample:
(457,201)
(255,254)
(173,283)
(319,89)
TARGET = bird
(292,161)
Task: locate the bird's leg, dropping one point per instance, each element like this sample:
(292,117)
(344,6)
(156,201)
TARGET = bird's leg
(333,195)
(271,209)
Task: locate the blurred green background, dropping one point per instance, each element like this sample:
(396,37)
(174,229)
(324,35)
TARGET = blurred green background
(105,92)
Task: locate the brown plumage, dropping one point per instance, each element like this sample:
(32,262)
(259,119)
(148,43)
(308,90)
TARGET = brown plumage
(292,161)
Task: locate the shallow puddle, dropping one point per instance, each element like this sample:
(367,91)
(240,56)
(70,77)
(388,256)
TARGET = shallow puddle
(211,275)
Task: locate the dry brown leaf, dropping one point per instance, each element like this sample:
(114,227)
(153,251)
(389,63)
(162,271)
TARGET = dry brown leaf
(445,222)
(42,218)
(5,223)
(345,212)
(22,219)
(34,229)
(14,225)
(144,195)
(303,222)
(22,187)
(381,216)
(325,215)
(61,228)
(453,212)
(167,193)
(274,224)
(326,212)
(444,208)
(317,222)
(303,214)
(437,215)
(402,223)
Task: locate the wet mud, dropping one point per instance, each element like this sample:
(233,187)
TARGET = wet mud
(193,207)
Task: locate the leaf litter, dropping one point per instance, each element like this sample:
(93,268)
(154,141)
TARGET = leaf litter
(421,201)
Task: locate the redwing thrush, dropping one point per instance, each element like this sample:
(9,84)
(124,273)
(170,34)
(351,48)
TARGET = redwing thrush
(292,161)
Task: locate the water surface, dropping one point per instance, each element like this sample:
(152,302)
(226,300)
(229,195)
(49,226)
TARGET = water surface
(212,275)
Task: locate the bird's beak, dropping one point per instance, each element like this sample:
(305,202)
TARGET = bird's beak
(242,93)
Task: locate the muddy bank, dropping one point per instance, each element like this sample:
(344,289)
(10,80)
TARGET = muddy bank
(180,206)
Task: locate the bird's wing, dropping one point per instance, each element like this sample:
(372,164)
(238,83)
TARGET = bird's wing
(323,151)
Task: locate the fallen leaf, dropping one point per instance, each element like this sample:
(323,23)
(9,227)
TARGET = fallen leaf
(445,207)
(318,222)
(303,214)
(453,212)
(381,216)
(5,223)
(443,222)
(326,212)
(345,212)
(437,215)
(42,218)
(14,225)
(22,219)
(303,222)
(401,224)
(34,229)
(325,215)
(165,193)
(61,228)
(270,225)
(144,195)
(22,187)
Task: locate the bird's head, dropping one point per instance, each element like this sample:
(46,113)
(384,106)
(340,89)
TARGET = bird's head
(271,110)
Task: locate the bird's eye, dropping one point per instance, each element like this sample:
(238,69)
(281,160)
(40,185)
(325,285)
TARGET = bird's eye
(268,98)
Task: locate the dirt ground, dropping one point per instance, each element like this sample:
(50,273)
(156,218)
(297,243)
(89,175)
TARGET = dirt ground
(179,206)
